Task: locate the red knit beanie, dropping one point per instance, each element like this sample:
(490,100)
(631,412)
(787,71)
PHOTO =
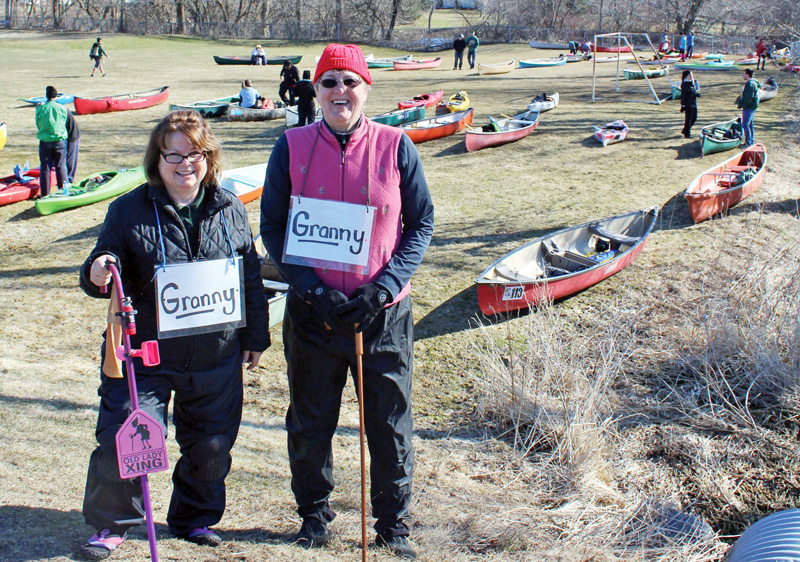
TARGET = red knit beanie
(343,57)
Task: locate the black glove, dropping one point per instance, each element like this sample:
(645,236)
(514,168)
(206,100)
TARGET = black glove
(365,304)
(324,301)
(683,109)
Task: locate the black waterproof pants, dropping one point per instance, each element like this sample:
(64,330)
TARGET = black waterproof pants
(206,413)
(306,113)
(689,119)
(318,361)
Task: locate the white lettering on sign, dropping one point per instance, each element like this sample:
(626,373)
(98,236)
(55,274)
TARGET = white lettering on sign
(329,234)
(200,297)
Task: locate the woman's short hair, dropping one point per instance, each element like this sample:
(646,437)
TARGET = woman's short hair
(686,73)
(192,126)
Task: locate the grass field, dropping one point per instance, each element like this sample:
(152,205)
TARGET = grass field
(659,434)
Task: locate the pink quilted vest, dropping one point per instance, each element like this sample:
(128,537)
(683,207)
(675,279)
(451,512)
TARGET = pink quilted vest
(368,167)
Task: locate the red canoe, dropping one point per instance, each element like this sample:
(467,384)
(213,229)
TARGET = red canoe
(122,102)
(438,127)
(13,190)
(719,188)
(428,100)
(602,49)
(564,262)
(417,64)
(502,131)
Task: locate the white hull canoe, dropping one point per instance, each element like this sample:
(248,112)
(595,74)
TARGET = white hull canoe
(543,45)
(565,262)
(417,64)
(292,118)
(538,63)
(502,131)
(616,131)
(722,186)
(246,183)
(496,68)
(769,91)
(544,102)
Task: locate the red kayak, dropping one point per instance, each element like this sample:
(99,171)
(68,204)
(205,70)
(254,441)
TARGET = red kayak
(12,189)
(428,100)
(602,49)
(122,102)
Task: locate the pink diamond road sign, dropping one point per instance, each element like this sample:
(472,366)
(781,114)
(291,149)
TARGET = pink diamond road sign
(141,447)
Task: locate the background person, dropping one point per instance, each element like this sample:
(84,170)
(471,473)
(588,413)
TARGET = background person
(458,47)
(748,103)
(472,48)
(258,56)
(249,96)
(690,45)
(73,146)
(51,130)
(682,47)
(290,76)
(761,53)
(97,53)
(306,108)
(179,216)
(689,95)
(346,157)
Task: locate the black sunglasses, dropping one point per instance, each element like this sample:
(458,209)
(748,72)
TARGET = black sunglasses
(332,82)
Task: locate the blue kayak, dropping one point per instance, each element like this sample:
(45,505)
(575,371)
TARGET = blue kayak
(60,98)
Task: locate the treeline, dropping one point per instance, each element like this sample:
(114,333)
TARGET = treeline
(380,19)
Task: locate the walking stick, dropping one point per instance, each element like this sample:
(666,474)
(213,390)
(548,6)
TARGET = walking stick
(134,463)
(360,385)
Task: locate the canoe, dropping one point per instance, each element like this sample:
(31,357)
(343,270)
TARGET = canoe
(722,186)
(438,127)
(121,102)
(615,58)
(400,116)
(246,183)
(412,64)
(496,68)
(578,57)
(720,137)
(239,113)
(3,135)
(662,60)
(425,100)
(292,119)
(746,62)
(636,74)
(711,65)
(294,59)
(91,189)
(565,262)
(610,133)
(207,108)
(545,45)
(457,102)
(769,91)
(544,102)
(793,68)
(502,131)
(20,187)
(386,62)
(275,289)
(614,49)
(537,63)
(714,57)
(60,98)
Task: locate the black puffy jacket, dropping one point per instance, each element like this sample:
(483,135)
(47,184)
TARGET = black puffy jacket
(130,234)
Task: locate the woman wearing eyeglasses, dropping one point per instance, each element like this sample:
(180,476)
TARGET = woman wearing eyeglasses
(347,216)
(185,252)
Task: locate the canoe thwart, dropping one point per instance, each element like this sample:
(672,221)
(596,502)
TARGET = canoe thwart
(616,237)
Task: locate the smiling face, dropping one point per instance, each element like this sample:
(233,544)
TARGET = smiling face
(342,106)
(182,180)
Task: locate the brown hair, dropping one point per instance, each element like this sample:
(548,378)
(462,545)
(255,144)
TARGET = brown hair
(192,126)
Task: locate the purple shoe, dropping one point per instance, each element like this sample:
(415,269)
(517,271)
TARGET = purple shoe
(101,545)
(202,536)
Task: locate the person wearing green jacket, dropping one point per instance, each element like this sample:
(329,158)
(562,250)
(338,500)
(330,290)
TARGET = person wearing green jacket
(51,130)
(748,103)
(96,54)
(472,47)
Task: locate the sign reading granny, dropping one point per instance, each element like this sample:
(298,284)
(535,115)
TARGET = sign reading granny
(200,297)
(329,234)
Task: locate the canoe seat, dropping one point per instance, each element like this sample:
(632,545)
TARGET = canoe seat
(506,272)
(565,259)
(616,237)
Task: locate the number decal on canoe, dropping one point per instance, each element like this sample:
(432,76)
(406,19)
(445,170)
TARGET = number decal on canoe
(513,293)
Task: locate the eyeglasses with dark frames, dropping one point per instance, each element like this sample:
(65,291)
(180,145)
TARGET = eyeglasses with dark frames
(175,158)
(332,82)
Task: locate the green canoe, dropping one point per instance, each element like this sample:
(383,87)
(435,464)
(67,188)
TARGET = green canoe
(207,108)
(294,59)
(400,116)
(720,137)
(91,189)
(386,62)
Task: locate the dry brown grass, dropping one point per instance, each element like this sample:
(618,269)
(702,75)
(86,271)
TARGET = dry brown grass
(618,440)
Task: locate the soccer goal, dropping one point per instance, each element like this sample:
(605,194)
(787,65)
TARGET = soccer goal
(624,47)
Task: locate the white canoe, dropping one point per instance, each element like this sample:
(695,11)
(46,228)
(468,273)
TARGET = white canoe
(292,119)
(496,68)
(245,183)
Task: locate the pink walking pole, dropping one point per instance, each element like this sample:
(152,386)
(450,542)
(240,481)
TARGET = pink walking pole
(150,356)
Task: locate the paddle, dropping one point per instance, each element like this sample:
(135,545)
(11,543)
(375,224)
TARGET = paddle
(359,344)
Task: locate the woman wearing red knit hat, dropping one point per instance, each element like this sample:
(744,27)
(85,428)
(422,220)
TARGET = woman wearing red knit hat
(348,270)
